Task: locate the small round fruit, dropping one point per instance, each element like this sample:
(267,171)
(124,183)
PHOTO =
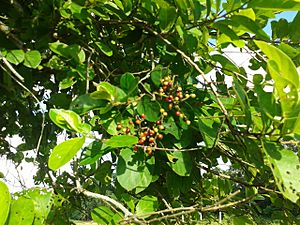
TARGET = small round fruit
(187,95)
(149,150)
(155,129)
(170,106)
(158,122)
(127,131)
(138,121)
(119,127)
(161,127)
(151,139)
(165,83)
(135,148)
(177,113)
(179,89)
(176,99)
(193,95)
(181,115)
(160,136)
(141,141)
(151,132)
(130,122)
(170,84)
(165,114)
(143,116)
(161,110)
(188,122)
(168,99)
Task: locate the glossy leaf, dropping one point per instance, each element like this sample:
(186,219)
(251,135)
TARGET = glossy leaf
(150,108)
(167,17)
(121,141)
(158,73)
(172,128)
(133,171)
(104,48)
(209,130)
(285,166)
(22,212)
(64,152)
(65,119)
(5,200)
(147,204)
(32,59)
(15,56)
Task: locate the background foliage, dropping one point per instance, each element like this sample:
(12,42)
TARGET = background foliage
(128,79)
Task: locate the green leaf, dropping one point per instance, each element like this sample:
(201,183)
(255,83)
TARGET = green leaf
(104,48)
(15,56)
(104,173)
(42,200)
(150,108)
(85,103)
(226,63)
(109,92)
(285,166)
(209,130)
(129,84)
(5,200)
(244,23)
(243,99)
(286,5)
(242,220)
(32,59)
(65,119)
(22,212)
(93,152)
(183,164)
(133,171)
(104,215)
(147,204)
(121,141)
(172,128)
(167,17)
(157,73)
(72,52)
(287,83)
(64,152)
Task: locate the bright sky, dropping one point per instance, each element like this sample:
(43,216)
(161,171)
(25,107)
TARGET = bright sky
(25,171)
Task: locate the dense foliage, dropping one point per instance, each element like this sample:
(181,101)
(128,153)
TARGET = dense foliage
(126,83)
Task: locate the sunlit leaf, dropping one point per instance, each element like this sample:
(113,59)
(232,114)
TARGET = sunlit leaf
(121,141)
(64,152)
(5,200)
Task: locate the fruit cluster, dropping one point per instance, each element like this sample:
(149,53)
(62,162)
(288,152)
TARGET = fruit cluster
(170,96)
(173,95)
(147,132)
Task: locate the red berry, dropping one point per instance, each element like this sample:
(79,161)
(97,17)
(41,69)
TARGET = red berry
(143,116)
(119,127)
(158,122)
(151,132)
(170,84)
(130,122)
(127,131)
(138,121)
(160,136)
(177,113)
(168,99)
(135,148)
(141,141)
(151,140)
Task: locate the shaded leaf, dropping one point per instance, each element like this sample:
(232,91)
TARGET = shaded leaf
(183,164)
(150,108)
(167,17)
(133,171)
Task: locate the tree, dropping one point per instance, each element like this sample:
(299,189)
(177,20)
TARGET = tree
(132,76)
